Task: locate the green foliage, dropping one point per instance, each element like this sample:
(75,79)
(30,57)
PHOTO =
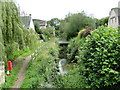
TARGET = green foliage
(72,52)
(47,33)
(14,37)
(100,57)
(42,68)
(54,22)
(37,27)
(2,49)
(10,49)
(75,43)
(100,22)
(13,77)
(1,36)
(74,23)
(72,79)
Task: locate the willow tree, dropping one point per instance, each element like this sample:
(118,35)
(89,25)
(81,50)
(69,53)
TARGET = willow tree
(14,35)
(1,38)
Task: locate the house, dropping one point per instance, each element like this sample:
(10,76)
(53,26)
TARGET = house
(42,23)
(114,17)
(27,22)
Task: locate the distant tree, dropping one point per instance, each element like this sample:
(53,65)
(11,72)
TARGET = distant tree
(37,27)
(74,23)
(100,22)
(54,22)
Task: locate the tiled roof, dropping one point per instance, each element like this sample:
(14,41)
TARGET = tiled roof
(26,21)
(116,10)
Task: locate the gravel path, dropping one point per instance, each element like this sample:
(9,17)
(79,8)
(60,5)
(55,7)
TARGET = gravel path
(21,74)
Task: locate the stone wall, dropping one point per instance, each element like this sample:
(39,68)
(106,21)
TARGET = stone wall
(2,72)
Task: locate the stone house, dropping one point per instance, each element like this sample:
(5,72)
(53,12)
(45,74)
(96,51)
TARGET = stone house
(27,22)
(42,23)
(114,17)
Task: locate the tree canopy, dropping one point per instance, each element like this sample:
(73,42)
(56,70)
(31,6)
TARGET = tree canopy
(73,23)
(54,22)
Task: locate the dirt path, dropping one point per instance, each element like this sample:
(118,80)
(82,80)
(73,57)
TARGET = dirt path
(21,74)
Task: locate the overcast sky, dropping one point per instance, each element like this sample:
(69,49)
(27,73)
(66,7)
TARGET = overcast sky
(47,9)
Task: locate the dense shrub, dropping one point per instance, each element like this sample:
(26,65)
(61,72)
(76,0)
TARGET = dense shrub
(72,79)
(75,43)
(47,33)
(100,55)
(102,21)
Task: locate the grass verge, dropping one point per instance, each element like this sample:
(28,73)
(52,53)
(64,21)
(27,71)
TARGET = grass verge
(12,78)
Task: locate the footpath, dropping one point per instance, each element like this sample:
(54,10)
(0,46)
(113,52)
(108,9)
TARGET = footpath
(21,74)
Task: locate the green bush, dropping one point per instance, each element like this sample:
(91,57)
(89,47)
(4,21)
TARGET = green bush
(75,43)
(47,33)
(72,79)
(10,49)
(100,56)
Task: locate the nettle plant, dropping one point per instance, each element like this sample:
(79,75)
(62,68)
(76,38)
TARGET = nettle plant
(100,55)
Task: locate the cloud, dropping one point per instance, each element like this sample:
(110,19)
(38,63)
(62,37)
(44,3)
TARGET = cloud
(47,9)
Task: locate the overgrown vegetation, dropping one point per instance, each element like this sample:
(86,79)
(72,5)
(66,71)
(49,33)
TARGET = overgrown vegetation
(13,77)
(13,37)
(93,55)
(74,23)
(75,43)
(100,57)
(102,21)
(42,69)
(97,56)
(47,33)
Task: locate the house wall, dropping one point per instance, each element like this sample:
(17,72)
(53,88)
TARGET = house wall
(113,20)
(31,25)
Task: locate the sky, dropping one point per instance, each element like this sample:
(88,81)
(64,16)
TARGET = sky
(48,9)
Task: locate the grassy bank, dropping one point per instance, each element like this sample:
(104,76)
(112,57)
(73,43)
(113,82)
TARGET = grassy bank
(13,77)
(41,71)
(9,81)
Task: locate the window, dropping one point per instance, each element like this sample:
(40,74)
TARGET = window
(113,19)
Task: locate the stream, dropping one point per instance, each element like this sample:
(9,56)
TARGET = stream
(62,56)
(62,68)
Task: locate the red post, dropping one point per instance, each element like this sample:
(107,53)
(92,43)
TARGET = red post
(9,65)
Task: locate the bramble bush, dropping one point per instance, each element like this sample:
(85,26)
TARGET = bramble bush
(100,57)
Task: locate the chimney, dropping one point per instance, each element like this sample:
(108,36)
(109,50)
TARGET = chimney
(119,4)
(30,15)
